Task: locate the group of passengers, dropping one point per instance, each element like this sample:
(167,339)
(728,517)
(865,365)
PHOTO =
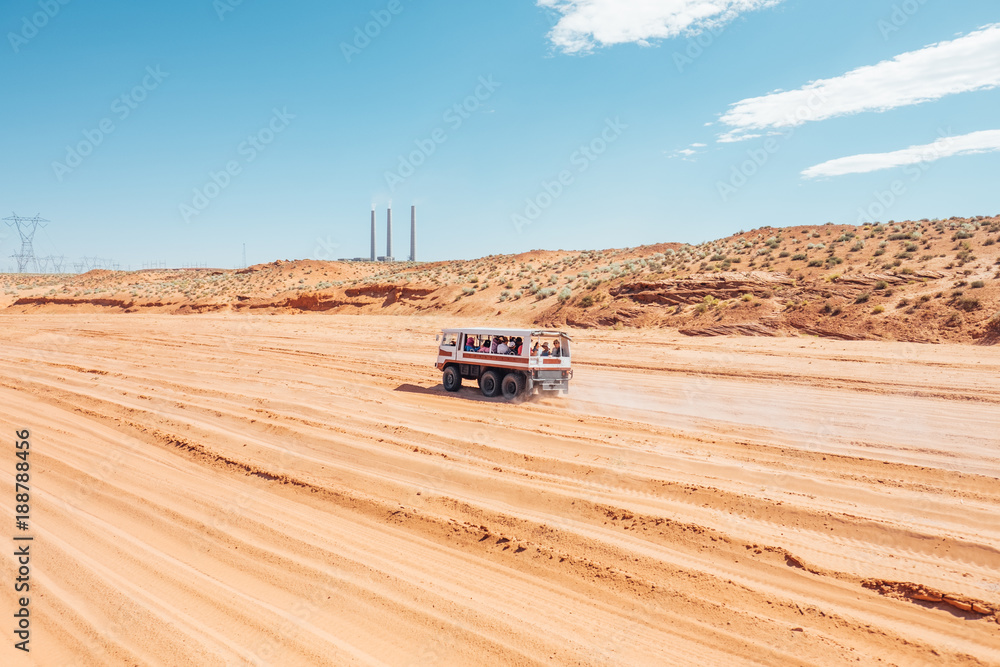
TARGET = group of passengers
(512,346)
(495,345)
(544,351)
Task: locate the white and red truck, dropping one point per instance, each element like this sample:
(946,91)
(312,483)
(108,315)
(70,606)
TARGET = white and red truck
(514,362)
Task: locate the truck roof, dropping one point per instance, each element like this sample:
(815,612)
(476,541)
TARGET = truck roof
(491,331)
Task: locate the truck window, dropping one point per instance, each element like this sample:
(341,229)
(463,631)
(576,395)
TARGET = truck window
(549,346)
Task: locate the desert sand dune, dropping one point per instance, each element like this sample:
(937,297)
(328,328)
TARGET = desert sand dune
(299,490)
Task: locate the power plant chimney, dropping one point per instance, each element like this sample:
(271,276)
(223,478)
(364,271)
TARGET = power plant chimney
(388,235)
(373,233)
(413,233)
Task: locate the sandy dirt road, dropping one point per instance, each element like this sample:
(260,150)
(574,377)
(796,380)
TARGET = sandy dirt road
(300,490)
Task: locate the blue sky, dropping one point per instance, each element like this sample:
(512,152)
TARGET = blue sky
(176,132)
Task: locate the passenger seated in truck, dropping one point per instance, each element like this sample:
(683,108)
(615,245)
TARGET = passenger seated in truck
(517,347)
(502,346)
(493,346)
(485,346)
(556,350)
(470,344)
(534,349)
(545,350)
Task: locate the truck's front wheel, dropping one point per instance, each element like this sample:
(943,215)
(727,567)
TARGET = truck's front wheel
(489,382)
(451,380)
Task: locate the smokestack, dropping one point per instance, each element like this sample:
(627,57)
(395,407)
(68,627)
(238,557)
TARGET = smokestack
(388,235)
(413,233)
(373,233)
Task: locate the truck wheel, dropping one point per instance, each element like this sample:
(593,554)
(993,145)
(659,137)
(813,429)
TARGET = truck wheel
(489,382)
(513,386)
(451,380)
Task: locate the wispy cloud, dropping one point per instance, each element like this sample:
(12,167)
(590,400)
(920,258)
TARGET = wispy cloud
(687,153)
(986,141)
(968,63)
(588,23)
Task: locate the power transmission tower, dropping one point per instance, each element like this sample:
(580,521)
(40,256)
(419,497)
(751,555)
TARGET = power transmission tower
(26,227)
(56,262)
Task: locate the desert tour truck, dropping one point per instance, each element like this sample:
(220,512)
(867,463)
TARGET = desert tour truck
(514,362)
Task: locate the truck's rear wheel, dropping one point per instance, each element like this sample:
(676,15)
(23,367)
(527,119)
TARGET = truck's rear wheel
(513,386)
(451,380)
(489,382)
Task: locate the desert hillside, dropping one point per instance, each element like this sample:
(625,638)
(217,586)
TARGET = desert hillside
(919,281)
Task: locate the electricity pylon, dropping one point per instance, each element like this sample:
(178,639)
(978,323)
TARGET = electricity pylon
(26,227)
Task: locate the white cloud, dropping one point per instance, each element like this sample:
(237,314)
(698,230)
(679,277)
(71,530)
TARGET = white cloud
(729,137)
(961,65)
(986,141)
(588,23)
(687,153)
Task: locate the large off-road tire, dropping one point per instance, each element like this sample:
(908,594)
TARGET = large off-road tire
(489,383)
(451,379)
(513,386)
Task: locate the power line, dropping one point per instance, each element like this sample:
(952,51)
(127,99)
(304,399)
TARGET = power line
(26,228)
